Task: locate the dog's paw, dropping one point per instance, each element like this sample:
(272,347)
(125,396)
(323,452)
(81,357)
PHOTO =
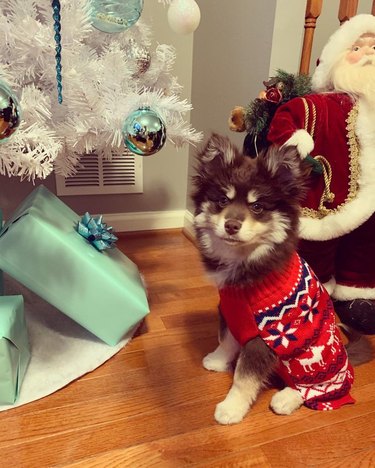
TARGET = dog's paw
(214,363)
(286,401)
(231,412)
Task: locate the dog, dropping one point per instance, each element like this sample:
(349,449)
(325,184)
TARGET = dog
(275,316)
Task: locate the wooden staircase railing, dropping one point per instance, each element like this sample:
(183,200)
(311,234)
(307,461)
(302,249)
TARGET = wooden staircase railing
(347,9)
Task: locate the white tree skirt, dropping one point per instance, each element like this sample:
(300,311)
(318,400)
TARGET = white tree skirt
(61,350)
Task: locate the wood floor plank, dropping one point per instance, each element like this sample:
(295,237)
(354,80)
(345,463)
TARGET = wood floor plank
(362,459)
(198,440)
(335,444)
(216,444)
(105,410)
(154,458)
(152,377)
(152,404)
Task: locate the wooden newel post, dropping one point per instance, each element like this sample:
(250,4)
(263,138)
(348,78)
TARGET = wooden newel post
(347,9)
(313,10)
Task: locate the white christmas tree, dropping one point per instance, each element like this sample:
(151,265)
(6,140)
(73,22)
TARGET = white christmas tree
(105,77)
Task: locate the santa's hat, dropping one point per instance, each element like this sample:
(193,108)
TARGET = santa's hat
(341,40)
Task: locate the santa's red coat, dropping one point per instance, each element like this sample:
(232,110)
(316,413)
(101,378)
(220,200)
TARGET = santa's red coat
(332,112)
(344,135)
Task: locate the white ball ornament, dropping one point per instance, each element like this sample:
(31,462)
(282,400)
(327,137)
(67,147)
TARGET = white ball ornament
(184,16)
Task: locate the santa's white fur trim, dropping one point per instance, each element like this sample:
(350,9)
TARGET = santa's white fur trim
(330,285)
(303,141)
(337,224)
(359,210)
(349,293)
(340,41)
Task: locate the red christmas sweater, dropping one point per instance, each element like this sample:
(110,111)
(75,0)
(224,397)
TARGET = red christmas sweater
(292,312)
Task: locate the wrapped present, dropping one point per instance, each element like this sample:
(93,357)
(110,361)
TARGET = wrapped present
(1,272)
(14,348)
(41,248)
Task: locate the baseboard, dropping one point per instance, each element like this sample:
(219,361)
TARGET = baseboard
(188,228)
(145,220)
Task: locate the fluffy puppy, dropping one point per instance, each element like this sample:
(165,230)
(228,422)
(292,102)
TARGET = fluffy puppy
(275,315)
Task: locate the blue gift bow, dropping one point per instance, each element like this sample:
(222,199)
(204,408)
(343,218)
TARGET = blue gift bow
(96,232)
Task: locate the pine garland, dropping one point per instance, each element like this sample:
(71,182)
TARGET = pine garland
(281,88)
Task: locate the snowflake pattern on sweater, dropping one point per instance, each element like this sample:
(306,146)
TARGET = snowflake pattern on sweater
(294,315)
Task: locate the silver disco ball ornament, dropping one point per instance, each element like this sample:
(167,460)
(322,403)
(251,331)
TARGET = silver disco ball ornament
(9,113)
(144,132)
(139,55)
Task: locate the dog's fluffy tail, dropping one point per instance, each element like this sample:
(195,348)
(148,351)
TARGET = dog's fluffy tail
(358,346)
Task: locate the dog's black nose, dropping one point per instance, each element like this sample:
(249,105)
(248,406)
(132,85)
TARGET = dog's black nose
(232,226)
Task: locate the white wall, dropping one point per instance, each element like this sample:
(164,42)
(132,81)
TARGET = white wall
(287,36)
(232,49)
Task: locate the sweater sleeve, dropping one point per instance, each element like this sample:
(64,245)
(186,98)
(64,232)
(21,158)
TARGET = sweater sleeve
(239,317)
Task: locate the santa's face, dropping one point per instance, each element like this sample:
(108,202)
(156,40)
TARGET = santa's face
(363,50)
(355,71)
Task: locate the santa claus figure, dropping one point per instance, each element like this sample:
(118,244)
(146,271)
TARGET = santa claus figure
(336,126)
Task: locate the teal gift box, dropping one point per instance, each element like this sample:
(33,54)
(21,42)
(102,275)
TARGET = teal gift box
(41,248)
(14,348)
(1,273)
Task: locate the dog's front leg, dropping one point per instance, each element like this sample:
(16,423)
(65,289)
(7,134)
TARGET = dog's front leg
(221,359)
(254,366)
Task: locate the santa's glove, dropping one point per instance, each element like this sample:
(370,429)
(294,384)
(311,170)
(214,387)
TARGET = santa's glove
(303,142)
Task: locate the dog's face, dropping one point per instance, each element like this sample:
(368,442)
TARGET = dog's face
(245,208)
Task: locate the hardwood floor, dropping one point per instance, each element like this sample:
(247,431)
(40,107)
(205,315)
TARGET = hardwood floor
(152,404)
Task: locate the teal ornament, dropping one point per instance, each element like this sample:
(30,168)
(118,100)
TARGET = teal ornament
(114,16)
(96,232)
(9,113)
(144,132)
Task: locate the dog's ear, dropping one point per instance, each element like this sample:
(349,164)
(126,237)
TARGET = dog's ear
(218,152)
(284,165)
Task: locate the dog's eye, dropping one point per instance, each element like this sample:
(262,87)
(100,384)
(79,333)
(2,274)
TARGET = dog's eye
(256,207)
(223,201)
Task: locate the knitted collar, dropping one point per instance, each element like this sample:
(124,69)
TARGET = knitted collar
(274,289)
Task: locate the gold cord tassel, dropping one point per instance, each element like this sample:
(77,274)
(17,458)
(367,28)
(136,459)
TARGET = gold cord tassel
(327,195)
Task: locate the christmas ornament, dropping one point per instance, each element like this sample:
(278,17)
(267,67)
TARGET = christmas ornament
(96,232)
(184,16)
(139,55)
(273,91)
(144,132)
(57,27)
(113,16)
(9,112)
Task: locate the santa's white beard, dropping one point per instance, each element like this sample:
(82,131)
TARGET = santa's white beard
(356,79)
